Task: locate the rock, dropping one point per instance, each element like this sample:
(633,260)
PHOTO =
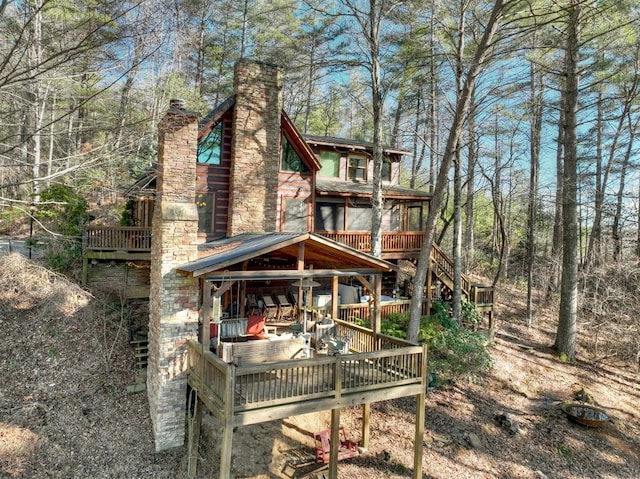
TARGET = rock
(541,475)
(506,422)
(475,441)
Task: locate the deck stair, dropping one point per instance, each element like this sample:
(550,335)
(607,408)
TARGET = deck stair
(141,355)
(443,271)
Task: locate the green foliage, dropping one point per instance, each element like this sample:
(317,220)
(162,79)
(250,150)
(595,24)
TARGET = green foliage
(126,218)
(455,352)
(66,209)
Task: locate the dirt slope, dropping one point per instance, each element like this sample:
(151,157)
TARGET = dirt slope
(64,412)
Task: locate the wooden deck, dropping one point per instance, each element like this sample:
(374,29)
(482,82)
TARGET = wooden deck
(258,393)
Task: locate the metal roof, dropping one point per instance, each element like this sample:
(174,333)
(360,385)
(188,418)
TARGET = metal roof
(349,144)
(328,257)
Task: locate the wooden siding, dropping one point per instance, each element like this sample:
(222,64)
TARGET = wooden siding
(215,179)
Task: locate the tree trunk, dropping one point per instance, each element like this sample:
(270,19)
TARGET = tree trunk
(565,342)
(536,98)
(460,113)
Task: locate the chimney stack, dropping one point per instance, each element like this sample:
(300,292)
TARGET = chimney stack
(173,299)
(253,192)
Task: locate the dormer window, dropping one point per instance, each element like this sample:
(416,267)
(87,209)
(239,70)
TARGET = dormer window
(291,161)
(210,147)
(357,168)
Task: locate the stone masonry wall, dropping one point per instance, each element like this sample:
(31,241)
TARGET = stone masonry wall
(173,299)
(253,195)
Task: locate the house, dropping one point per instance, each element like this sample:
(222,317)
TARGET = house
(256,173)
(242,205)
(188,281)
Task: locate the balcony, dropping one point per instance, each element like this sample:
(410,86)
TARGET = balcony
(395,245)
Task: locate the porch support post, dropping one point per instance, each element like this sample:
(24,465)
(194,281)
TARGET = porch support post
(335,443)
(334,297)
(418,445)
(206,314)
(366,424)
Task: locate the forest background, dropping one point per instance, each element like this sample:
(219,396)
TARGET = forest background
(521,116)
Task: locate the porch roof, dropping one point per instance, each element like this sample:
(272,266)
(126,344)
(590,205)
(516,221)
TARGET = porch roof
(317,256)
(326,187)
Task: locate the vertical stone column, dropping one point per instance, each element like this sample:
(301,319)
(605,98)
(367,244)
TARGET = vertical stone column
(173,299)
(255,149)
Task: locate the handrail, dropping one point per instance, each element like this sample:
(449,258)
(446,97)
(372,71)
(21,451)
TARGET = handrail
(128,238)
(287,384)
(392,241)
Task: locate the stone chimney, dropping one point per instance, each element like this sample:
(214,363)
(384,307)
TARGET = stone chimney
(173,299)
(255,150)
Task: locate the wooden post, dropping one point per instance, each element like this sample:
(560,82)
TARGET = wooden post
(194,438)
(227,430)
(335,443)
(334,297)
(418,445)
(206,315)
(366,424)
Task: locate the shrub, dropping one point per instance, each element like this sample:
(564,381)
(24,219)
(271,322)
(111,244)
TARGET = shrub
(455,352)
(67,210)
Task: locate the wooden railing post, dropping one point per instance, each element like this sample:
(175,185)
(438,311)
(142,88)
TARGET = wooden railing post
(227,430)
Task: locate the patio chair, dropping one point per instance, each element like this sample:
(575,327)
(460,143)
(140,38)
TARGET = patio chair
(253,305)
(346,449)
(286,308)
(271,309)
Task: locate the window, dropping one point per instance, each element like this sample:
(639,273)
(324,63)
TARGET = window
(357,168)
(210,147)
(291,161)
(359,218)
(386,170)
(206,208)
(295,215)
(330,162)
(329,216)
(415,218)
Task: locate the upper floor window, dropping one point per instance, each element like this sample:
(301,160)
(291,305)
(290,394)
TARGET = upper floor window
(386,170)
(210,147)
(291,161)
(357,168)
(330,162)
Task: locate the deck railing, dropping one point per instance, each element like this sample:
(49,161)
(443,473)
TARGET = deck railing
(127,238)
(362,311)
(252,393)
(392,242)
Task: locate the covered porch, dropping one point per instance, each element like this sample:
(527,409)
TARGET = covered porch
(258,388)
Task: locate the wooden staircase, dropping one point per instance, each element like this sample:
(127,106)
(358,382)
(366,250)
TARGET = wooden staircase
(442,271)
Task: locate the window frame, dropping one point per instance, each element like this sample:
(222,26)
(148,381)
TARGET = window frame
(362,166)
(205,144)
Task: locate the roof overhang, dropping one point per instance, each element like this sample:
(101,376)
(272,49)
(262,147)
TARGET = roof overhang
(316,256)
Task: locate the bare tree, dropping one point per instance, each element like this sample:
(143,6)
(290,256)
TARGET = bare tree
(460,114)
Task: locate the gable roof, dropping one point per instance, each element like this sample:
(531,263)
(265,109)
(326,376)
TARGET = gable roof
(229,257)
(345,144)
(214,116)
